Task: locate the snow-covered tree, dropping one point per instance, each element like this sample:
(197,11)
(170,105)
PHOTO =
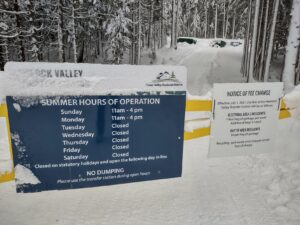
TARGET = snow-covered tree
(107,31)
(117,29)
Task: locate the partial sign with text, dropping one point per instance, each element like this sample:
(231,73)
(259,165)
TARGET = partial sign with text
(244,118)
(75,141)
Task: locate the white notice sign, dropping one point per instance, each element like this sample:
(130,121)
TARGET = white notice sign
(244,118)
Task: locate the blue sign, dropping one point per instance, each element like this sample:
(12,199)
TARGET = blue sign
(65,142)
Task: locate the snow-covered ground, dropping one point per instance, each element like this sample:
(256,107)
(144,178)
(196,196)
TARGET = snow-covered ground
(254,190)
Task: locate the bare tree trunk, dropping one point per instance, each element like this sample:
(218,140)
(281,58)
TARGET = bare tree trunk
(34,49)
(226,23)
(292,48)
(21,49)
(132,49)
(245,64)
(263,46)
(195,22)
(216,21)
(177,24)
(233,24)
(271,41)
(298,68)
(162,25)
(224,19)
(254,41)
(80,56)
(150,26)
(4,55)
(258,49)
(139,33)
(73,33)
(173,24)
(206,19)
(59,32)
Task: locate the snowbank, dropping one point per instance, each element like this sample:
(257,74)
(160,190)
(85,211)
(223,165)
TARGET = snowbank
(207,96)
(261,189)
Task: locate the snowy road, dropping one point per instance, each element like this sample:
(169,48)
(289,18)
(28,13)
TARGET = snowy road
(205,65)
(210,65)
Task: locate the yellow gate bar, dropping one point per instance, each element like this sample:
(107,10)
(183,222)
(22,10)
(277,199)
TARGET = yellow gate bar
(206,105)
(198,105)
(191,105)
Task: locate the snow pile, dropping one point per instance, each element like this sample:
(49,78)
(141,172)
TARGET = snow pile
(170,56)
(196,115)
(261,189)
(207,96)
(284,191)
(25,176)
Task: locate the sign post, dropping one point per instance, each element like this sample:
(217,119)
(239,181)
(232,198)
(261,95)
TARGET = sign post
(244,118)
(132,133)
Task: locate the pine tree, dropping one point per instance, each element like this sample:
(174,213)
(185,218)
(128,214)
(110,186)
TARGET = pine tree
(117,31)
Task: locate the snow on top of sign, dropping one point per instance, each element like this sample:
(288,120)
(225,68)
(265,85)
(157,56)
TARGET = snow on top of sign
(29,79)
(25,176)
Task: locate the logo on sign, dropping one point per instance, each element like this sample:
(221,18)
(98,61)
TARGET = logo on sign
(165,79)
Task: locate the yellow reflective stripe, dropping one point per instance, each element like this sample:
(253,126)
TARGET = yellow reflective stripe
(5,177)
(284,114)
(282,105)
(3,110)
(198,105)
(10,175)
(206,105)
